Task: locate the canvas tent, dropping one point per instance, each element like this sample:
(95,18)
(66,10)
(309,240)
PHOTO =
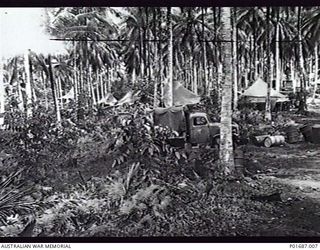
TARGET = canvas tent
(257,93)
(129,98)
(181,95)
(109,99)
(69,95)
(172,117)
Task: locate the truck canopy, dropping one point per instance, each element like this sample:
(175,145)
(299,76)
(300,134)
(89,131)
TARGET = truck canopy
(173,117)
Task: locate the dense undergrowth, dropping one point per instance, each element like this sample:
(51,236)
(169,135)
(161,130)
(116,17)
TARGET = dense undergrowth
(114,175)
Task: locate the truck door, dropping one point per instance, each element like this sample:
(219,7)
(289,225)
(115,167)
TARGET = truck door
(199,130)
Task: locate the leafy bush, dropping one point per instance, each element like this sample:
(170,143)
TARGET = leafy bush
(15,203)
(116,176)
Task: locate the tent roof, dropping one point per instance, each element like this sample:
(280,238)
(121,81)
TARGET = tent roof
(108,99)
(129,98)
(69,95)
(182,96)
(259,89)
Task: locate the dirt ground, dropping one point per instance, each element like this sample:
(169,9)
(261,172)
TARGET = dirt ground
(295,170)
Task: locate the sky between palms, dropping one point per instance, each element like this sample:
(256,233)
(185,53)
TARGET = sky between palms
(21,29)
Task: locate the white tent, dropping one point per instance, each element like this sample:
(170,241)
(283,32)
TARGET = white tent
(69,95)
(257,93)
(109,99)
(129,98)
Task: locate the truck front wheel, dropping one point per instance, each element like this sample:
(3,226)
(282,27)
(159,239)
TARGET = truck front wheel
(215,142)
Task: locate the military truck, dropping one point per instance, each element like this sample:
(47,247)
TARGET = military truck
(193,127)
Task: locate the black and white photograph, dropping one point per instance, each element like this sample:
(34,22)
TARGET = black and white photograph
(160,121)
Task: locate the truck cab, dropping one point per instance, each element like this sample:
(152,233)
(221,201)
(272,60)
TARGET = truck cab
(202,131)
(194,127)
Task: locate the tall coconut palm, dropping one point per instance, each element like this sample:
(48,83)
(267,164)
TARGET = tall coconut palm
(169,92)
(87,26)
(191,31)
(2,96)
(54,89)
(251,23)
(226,143)
(28,83)
(269,72)
(2,92)
(132,29)
(302,73)
(234,58)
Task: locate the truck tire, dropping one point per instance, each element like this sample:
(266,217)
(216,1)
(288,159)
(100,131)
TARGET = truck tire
(215,142)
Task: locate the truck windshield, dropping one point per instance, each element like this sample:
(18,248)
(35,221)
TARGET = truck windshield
(198,121)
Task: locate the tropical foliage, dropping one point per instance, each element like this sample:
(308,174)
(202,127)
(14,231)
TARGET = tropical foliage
(107,170)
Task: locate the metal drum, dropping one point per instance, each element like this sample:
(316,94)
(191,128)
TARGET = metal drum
(274,141)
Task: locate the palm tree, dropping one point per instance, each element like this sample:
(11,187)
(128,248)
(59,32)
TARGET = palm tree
(87,26)
(226,147)
(133,50)
(269,72)
(310,29)
(251,23)
(54,89)
(302,105)
(234,58)
(28,82)
(170,61)
(2,92)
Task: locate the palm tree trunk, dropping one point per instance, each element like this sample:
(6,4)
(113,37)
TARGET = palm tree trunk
(220,71)
(244,72)
(204,49)
(270,73)
(210,78)
(302,105)
(262,73)
(316,64)
(21,103)
(75,75)
(59,91)
(226,147)
(251,59)
(255,45)
(53,88)
(216,50)
(277,55)
(272,67)
(2,91)
(161,84)
(147,44)
(33,94)
(141,54)
(98,85)
(155,62)
(133,76)
(234,59)
(44,89)
(194,78)
(104,84)
(293,75)
(109,80)
(28,82)
(81,82)
(169,101)
(93,96)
